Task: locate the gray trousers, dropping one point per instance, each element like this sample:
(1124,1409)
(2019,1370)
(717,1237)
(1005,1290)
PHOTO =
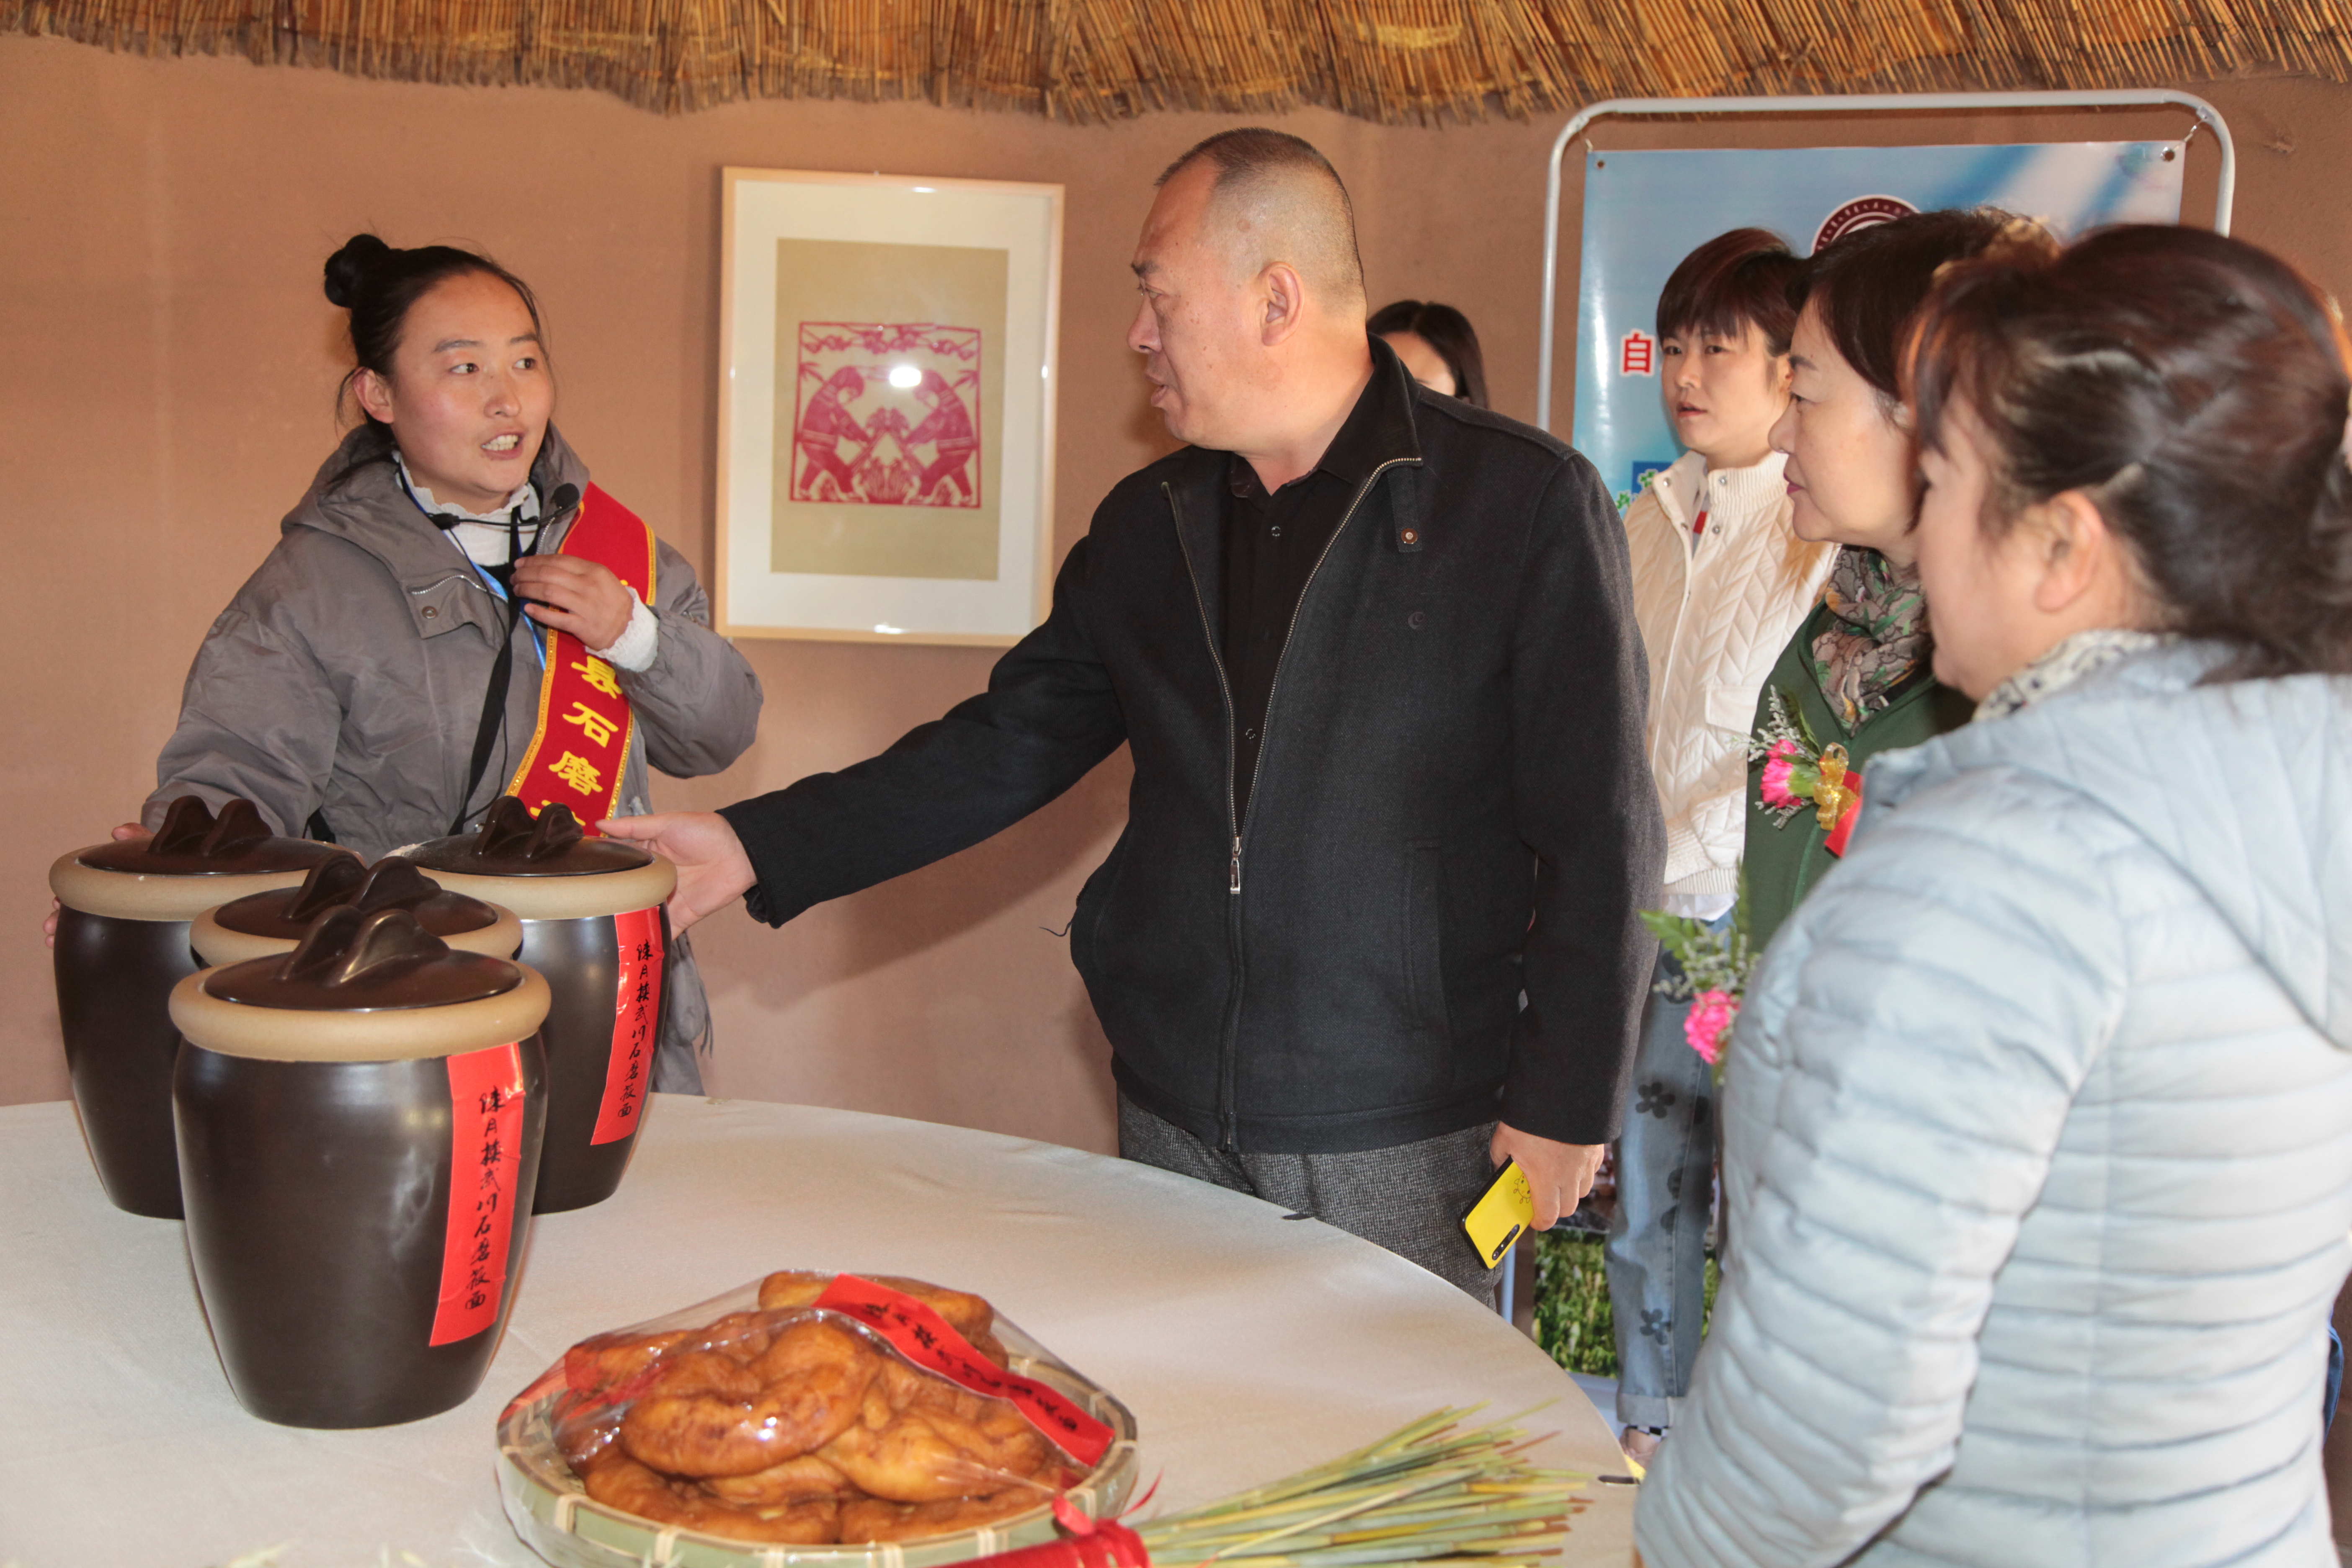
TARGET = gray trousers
(1657,1242)
(1410,1199)
(686,1024)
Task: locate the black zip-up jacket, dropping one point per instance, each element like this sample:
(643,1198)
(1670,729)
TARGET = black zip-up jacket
(1452,808)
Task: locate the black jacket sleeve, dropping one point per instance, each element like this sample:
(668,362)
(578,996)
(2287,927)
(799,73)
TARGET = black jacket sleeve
(1049,715)
(1588,807)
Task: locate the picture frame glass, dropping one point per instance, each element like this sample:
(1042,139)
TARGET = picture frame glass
(885,406)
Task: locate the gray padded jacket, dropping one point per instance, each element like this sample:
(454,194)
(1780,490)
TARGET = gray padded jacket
(347,676)
(2038,1158)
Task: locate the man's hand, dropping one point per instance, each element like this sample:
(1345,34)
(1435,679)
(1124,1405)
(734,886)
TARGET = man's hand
(128,832)
(576,596)
(1559,1174)
(712,869)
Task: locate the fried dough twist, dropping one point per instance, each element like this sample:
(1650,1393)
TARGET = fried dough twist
(782,1426)
(709,1414)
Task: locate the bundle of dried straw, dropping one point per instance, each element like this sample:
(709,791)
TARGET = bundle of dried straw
(1085,61)
(1431,1492)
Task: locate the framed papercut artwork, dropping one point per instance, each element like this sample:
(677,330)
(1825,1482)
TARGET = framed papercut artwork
(885,406)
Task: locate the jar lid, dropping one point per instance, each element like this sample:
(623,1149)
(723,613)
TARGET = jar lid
(261,924)
(195,861)
(361,987)
(546,868)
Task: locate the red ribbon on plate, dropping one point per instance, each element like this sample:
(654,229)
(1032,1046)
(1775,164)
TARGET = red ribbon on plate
(927,1341)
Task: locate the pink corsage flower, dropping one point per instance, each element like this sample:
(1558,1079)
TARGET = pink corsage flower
(1780,759)
(1709,1022)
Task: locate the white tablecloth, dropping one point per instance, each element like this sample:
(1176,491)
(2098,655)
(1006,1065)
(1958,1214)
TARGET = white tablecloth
(1247,1345)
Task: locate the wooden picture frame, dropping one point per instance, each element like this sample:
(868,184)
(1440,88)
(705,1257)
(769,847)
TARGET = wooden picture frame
(887,375)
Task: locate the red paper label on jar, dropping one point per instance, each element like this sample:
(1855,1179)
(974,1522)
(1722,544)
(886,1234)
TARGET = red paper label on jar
(486,1122)
(637,1020)
(927,1341)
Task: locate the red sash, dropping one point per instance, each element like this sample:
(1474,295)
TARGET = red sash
(580,747)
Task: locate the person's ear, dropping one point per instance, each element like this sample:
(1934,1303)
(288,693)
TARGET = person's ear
(1780,375)
(2075,550)
(1285,295)
(375,394)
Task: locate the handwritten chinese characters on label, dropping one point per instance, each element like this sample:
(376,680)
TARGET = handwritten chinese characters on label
(637,1024)
(486,1133)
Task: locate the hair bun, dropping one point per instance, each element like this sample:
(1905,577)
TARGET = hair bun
(348,267)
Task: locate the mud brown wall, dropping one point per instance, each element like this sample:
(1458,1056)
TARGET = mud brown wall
(166,369)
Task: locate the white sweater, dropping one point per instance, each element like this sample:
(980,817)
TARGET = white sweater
(1715,611)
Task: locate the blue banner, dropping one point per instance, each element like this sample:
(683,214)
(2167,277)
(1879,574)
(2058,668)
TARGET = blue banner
(1644,211)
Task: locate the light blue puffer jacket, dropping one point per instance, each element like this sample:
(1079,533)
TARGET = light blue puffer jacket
(2039,1153)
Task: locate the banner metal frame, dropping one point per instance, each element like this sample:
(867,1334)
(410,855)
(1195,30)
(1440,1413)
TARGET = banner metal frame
(2224,195)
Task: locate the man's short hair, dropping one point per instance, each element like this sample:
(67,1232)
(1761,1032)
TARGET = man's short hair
(1735,280)
(1292,191)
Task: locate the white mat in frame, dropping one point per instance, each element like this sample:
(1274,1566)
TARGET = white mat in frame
(768,213)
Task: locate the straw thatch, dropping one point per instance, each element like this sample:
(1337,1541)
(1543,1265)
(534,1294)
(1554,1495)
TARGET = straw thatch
(1391,60)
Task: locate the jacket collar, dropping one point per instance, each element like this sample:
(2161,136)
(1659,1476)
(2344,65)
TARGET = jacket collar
(358,498)
(1730,497)
(1379,430)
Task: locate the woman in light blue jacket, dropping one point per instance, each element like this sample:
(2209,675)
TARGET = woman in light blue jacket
(2039,1122)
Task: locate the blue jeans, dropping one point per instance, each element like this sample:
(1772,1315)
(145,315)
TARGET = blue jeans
(1656,1254)
(2335,1380)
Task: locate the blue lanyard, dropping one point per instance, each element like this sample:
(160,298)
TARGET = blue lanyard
(538,644)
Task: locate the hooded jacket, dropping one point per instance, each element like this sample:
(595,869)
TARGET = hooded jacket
(347,676)
(1427,917)
(2039,1153)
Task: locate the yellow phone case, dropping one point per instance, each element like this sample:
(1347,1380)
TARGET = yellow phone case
(1495,1220)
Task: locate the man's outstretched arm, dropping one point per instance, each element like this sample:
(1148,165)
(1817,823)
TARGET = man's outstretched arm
(1048,716)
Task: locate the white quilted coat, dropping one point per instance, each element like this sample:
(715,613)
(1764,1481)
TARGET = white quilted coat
(1714,612)
(2039,1153)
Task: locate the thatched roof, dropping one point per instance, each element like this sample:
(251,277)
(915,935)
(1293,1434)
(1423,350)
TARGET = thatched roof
(1391,60)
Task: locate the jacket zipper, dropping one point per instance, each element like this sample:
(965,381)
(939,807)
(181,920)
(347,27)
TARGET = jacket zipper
(1227,1118)
(1682,616)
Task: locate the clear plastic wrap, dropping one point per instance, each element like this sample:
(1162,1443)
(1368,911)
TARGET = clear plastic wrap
(809,1418)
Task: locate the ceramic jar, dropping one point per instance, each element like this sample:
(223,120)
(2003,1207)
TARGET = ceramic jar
(261,925)
(593,923)
(359,1127)
(122,944)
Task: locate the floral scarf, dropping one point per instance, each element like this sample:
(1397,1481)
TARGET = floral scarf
(1877,634)
(2062,666)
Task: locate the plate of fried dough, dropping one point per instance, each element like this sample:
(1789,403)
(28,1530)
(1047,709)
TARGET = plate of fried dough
(757,1428)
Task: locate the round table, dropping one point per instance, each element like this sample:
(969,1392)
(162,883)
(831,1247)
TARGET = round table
(1248,1344)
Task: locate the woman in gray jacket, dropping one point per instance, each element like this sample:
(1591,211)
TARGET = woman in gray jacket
(353,690)
(2039,1122)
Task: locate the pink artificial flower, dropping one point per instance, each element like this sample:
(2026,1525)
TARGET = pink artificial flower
(1779,760)
(1709,1024)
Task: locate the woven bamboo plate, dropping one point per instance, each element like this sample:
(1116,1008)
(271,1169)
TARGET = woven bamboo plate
(557,1519)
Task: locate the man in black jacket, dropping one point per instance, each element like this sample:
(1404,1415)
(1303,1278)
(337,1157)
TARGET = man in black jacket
(1372,927)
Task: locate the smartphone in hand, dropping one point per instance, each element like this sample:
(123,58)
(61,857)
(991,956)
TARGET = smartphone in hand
(1501,1215)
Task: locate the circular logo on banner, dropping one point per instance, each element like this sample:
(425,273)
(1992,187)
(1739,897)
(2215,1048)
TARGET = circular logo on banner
(1862,212)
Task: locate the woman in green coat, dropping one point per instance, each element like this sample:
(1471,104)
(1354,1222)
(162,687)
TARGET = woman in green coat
(1856,674)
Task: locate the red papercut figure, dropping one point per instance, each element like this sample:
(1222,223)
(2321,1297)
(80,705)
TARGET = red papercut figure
(948,428)
(889,414)
(825,423)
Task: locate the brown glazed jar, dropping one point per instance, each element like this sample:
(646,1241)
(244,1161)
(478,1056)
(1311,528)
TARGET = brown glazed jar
(122,944)
(261,925)
(593,923)
(358,1131)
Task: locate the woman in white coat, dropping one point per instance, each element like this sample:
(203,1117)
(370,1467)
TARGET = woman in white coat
(1720,579)
(2039,1122)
